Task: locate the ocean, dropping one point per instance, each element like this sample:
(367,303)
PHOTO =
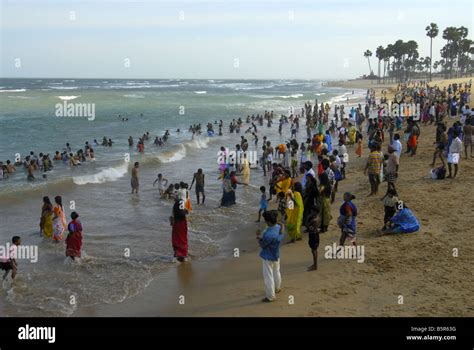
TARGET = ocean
(115,221)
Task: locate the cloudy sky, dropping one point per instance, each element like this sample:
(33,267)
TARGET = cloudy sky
(234,39)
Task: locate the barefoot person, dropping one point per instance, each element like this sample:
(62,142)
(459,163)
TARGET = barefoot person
(179,233)
(454,154)
(263,202)
(468,130)
(59,220)
(199,178)
(373,168)
(347,219)
(270,253)
(46,222)
(134,182)
(8,263)
(74,238)
(294,212)
(313,238)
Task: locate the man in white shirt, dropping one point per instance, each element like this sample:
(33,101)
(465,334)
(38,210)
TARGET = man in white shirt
(454,153)
(397,145)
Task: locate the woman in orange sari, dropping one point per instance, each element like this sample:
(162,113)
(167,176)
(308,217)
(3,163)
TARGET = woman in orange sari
(59,220)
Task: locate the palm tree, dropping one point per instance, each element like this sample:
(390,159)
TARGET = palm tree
(388,54)
(368,54)
(449,52)
(380,54)
(432,32)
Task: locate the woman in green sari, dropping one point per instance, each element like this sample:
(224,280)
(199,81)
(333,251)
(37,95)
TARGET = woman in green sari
(325,190)
(294,212)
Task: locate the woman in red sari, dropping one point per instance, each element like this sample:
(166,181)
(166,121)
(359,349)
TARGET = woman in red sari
(179,235)
(74,238)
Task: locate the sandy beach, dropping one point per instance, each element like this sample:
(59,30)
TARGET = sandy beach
(422,268)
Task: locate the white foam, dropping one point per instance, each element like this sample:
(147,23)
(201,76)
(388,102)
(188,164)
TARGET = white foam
(68,98)
(22,97)
(200,92)
(134,96)
(108,174)
(64,87)
(292,96)
(199,142)
(173,156)
(14,90)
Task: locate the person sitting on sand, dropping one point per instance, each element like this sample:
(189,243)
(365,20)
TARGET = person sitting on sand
(403,221)
(269,243)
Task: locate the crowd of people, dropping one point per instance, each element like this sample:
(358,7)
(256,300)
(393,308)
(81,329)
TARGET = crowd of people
(301,178)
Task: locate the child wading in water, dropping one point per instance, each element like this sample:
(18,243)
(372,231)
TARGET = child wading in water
(347,220)
(270,253)
(8,263)
(263,202)
(74,238)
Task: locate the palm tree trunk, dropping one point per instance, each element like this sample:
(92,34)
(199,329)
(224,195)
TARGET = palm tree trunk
(431,56)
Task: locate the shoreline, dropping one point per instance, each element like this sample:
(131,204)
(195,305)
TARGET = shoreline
(222,285)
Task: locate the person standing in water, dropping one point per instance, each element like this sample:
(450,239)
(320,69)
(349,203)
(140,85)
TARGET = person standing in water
(59,219)
(46,221)
(199,178)
(74,238)
(134,181)
(179,234)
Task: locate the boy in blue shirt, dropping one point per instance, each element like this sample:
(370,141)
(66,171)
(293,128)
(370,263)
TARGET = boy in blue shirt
(270,254)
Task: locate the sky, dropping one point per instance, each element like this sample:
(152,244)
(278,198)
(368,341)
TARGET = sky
(225,39)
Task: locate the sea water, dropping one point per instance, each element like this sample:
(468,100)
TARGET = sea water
(127,237)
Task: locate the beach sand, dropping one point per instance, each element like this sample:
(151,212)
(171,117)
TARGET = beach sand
(419,267)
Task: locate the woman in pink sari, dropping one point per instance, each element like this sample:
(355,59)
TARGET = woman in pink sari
(179,235)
